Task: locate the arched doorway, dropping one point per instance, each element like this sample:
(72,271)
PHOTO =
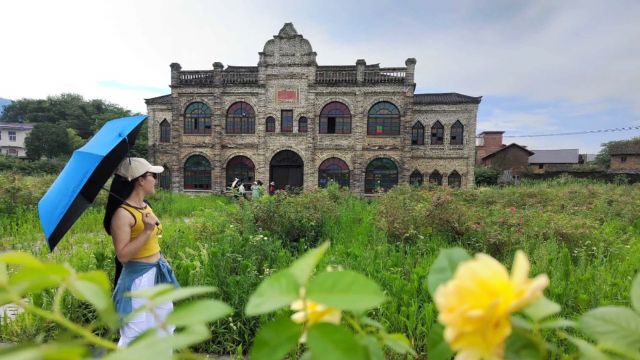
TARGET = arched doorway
(286,169)
(381,175)
(241,168)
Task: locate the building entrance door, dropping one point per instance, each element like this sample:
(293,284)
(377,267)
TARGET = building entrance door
(286,169)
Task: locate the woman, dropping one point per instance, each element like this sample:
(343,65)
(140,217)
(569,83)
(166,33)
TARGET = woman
(135,230)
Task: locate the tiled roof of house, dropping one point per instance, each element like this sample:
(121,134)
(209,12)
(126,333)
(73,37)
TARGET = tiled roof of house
(445,99)
(512,145)
(632,148)
(16,126)
(561,156)
(159,100)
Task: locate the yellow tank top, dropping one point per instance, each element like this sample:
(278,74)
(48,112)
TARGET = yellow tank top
(151,246)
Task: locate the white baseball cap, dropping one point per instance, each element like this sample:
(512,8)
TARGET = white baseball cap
(131,168)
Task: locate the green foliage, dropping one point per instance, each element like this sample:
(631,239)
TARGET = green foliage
(23,275)
(75,141)
(15,166)
(486,175)
(65,110)
(444,267)
(48,140)
(585,235)
(324,333)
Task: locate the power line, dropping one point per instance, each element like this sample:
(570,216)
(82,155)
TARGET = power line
(629,128)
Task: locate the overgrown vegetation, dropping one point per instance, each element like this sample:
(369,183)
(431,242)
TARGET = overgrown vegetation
(583,234)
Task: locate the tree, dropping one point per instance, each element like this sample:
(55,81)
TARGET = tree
(48,140)
(68,110)
(75,141)
(486,175)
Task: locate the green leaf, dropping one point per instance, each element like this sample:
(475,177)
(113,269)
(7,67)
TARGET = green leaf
(635,293)
(36,279)
(444,267)
(588,350)
(149,347)
(99,278)
(90,292)
(612,324)
(275,339)
(541,309)
(345,290)
(182,293)
(399,343)
(20,258)
(372,346)
(277,291)
(198,312)
(521,322)
(97,295)
(522,347)
(328,341)
(370,322)
(51,350)
(557,323)
(304,266)
(437,347)
(189,336)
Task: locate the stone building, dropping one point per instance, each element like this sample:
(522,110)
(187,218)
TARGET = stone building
(300,124)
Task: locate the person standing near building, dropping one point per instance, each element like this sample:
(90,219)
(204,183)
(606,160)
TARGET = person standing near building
(135,231)
(272,188)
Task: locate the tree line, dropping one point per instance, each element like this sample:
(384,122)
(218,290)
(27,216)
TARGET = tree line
(63,123)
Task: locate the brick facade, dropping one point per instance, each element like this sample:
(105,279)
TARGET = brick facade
(288,78)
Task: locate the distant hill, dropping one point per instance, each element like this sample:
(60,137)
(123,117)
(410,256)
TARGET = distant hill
(3,103)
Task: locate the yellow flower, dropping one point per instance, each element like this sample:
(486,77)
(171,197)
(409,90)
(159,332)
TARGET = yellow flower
(476,304)
(314,313)
(309,312)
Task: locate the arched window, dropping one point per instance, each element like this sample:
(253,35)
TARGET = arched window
(384,119)
(435,178)
(197,173)
(270,124)
(197,119)
(417,134)
(303,125)
(241,119)
(381,175)
(165,178)
(454,180)
(333,169)
(457,132)
(165,131)
(416,178)
(241,168)
(335,118)
(437,134)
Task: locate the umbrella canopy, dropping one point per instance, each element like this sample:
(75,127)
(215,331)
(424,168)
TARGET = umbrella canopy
(84,175)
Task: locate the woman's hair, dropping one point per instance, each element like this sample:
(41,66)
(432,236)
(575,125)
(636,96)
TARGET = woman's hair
(120,189)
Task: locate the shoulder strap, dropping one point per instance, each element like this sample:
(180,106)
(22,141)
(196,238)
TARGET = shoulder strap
(130,211)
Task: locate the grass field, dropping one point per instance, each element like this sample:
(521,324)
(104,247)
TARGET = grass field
(584,235)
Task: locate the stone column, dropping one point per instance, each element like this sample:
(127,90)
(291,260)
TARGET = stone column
(360,66)
(411,68)
(217,73)
(175,73)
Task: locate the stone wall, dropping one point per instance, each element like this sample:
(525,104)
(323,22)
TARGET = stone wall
(287,64)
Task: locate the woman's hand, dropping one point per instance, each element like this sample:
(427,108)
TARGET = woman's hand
(150,221)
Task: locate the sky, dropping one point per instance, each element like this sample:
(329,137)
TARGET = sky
(542,67)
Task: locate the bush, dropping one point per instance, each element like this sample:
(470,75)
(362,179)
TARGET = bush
(486,175)
(26,167)
(293,218)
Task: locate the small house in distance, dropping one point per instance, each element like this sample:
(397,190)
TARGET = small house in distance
(553,160)
(625,157)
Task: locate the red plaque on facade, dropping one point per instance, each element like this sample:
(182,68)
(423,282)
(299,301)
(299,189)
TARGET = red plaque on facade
(287,95)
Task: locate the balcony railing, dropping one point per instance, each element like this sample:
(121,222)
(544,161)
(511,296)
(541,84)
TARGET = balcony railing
(336,77)
(240,78)
(196,77)
(385,75)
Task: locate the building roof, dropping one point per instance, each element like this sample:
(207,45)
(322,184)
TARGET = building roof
(159,100)
(510,146)
(561,156)
(627,148)
(445,99)
(491,132)
(15,126)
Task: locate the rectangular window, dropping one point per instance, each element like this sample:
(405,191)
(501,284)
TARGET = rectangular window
(12,136)
(331,125)
(540,166)
(623,159)
(286,124)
